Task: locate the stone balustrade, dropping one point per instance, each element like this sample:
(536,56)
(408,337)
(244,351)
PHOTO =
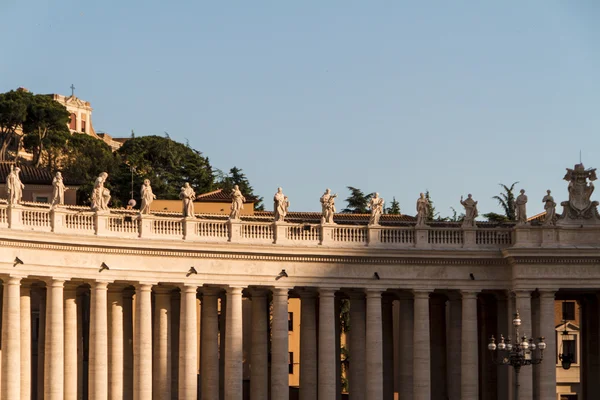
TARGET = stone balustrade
(129,224)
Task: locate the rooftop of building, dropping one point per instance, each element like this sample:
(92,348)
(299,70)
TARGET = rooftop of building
(220,196)
(32,176)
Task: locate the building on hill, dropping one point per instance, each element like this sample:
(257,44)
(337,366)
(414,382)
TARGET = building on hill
(38,184)
(215,202)
(81,120)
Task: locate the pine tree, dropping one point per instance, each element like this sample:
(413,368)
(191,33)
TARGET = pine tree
(237,177)
(394,207)
(431,213)
(358,202)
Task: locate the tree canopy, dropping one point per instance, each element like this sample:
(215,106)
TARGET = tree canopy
(394,207)
(45,125)
(358,202)
(166,163)
(237,177)
(506,200)
(13,111)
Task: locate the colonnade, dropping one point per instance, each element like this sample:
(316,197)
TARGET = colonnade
(152,341)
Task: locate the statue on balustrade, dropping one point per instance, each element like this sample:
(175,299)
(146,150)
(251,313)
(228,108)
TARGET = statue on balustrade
(521,208)
(471,212)
(580,208)
(58,190)
(187,195)
(100,195)
(147,197)
(422,210)
(14,186)
(281,205)
(237,203)
(376,206)
(550,207)
(328,207)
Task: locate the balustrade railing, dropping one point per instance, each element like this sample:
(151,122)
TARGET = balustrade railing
(446,236)
(397,235)
(257,231)
(127,224)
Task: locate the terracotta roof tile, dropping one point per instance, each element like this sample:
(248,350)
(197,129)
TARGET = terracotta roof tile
(32,176)
(362,219)
(219,196)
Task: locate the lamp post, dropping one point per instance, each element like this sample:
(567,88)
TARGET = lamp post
(523,352)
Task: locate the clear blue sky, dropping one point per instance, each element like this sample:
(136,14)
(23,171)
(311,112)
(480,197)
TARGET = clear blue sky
(395,96)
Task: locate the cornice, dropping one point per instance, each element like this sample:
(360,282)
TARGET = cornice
(553,260)
(417,258)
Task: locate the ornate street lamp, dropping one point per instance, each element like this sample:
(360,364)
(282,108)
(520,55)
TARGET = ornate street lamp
(523,352)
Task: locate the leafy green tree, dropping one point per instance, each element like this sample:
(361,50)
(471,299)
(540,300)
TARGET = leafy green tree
(45,118)
(167,163)
(394,207)
(506,200)
(237,177)
(13,111)
(83,158)
(358,202)
(431,213)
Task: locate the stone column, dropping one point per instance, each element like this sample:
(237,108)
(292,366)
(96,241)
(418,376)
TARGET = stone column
(327,361)
(71,341)
(26,342)
(259,364)
(374,349)
(142,350)
(358,359)
(387,322)
(504,329)
(11,339)
(55,342)
(162,343)
(280,349)
(41,362)
(454,348)
(422,351)
(234,353)
(523,299)
(469,362)
(437,308)
(209,345)
(98,353)
(128,344)
(188,352)
(405,344)
(115,343)
(547,368)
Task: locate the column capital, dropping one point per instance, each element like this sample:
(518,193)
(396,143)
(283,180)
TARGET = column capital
(55,282)
(469,293)
(258,292)
(373,293)
(279,291)
(144,286)
(421,293)
(184,288)
(547,293)
(235,290)
(327,292)
(522,293)
(211,290)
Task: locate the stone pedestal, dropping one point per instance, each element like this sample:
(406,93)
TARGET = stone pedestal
(280,232)
(469,236)
(101,222)
(15,217)
(57,219)
(421,237)
(145,225)
(327,234)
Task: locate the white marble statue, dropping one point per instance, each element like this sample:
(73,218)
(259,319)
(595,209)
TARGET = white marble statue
(100,195)
(471,212)
(14,186)
(376,206)
(58,190)
(237,203)
(327,207)
(422,210)
(521,208)
(187,195)
(550,207)
(147,197)
(280,205)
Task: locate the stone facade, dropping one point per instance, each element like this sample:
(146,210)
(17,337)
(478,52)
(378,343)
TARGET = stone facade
(124,306)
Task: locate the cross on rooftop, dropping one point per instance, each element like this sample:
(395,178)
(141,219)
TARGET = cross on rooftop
(72,90)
